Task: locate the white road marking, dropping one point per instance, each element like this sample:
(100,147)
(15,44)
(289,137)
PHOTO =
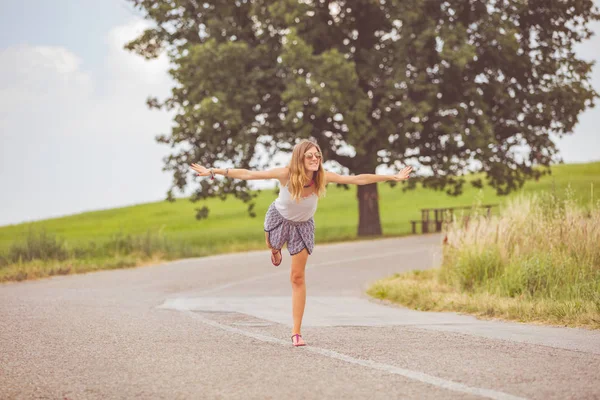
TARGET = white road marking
(415,375)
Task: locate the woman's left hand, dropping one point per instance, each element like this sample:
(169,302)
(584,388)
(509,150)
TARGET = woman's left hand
(403,175)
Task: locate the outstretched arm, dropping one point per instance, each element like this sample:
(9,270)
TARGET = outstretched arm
(245,174)
(365,179)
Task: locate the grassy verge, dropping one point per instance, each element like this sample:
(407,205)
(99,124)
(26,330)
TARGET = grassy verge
(537,262)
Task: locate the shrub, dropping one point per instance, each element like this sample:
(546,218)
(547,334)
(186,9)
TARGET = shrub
(37,245)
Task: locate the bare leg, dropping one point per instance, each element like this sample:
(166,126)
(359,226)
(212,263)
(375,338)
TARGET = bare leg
(298,288)
(278,255)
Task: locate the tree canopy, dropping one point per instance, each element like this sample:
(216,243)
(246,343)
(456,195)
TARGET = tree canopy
(452,87)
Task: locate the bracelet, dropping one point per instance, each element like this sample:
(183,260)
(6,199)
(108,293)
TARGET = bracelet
(226,171)
(212,174)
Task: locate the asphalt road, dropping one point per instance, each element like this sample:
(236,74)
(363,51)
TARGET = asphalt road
(219,328)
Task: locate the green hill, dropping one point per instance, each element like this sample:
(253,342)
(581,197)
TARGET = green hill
(336,218)
(229,228)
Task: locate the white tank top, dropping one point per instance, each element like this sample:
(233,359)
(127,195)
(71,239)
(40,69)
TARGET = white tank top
(295,211)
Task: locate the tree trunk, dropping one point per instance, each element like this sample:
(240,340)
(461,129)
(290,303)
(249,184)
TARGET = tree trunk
(369,223)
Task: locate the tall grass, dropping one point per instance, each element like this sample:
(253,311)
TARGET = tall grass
(540,247)
(539,260)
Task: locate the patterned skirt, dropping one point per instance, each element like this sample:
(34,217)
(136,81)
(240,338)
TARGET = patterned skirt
(298,235)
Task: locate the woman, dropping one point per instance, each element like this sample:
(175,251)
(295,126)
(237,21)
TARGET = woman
(289,218)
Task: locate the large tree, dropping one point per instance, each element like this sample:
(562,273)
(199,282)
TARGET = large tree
(453,86)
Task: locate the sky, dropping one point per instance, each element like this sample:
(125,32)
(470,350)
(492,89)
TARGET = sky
(75,132)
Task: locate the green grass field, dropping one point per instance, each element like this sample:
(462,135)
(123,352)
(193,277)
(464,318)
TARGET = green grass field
(229,228)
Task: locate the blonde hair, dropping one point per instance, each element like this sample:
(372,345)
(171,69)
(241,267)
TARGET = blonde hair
(298,178)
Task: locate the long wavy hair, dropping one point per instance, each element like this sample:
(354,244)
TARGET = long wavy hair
(298,178)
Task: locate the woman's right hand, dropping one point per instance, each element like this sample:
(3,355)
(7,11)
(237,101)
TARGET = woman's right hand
(200,170)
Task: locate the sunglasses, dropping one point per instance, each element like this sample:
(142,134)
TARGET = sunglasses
(311,155)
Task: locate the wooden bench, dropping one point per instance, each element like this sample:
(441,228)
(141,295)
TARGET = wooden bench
(441,216)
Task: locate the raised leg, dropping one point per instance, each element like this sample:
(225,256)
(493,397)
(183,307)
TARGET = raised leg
(277,255)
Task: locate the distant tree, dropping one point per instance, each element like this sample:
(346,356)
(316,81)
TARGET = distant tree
(453,86)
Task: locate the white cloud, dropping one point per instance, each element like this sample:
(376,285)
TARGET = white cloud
(26,64)
(35,81)
(130,67)
(71,141)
